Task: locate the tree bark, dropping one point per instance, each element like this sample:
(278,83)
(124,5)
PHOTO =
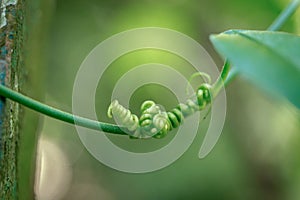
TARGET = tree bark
(22,43)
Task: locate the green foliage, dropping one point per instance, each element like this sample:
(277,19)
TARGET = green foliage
(269,59)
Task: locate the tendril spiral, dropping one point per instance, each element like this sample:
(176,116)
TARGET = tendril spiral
(154,122)
(123,116)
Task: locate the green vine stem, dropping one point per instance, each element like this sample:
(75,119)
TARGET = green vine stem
(227,75)
(58,114)
(284,16)
(217,86)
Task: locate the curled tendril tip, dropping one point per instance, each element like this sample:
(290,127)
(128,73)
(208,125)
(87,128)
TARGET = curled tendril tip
(154,122)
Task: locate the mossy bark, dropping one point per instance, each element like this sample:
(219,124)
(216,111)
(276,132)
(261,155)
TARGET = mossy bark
(11,55)
(22,42)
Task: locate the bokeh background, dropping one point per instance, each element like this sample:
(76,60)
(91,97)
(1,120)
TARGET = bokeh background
(257,156)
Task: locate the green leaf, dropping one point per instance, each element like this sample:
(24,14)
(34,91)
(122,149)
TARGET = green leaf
(271,60)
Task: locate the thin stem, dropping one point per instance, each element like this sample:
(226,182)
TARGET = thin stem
(217,86)
(226,77)
(58,114)
(284,16)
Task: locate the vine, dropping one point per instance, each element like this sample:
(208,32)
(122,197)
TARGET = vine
(153,122)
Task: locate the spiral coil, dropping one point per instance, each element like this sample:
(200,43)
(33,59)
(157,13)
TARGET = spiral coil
(123,116)
(154,122)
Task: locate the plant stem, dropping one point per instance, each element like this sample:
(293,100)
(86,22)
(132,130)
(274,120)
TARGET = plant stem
(217,86)
(284,16)
(226,77)
(58,114)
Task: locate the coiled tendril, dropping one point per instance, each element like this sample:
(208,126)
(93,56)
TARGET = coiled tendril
(154,122)
(123,116)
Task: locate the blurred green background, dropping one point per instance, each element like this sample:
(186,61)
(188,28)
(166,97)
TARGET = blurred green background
(257,154)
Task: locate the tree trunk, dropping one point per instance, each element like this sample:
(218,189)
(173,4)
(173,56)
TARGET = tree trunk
(22,40)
